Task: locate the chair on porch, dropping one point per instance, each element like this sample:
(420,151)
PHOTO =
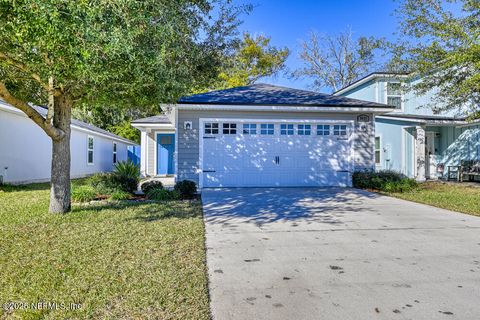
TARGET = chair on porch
(470,168)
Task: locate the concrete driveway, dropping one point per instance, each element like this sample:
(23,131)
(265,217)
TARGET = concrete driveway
(338,254)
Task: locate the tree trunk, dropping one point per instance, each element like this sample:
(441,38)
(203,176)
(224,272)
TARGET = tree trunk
(60,176)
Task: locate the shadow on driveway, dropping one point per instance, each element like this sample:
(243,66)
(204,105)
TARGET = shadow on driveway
(267,205)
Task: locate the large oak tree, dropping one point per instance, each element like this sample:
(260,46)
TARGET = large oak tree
(440,43)
(66,53)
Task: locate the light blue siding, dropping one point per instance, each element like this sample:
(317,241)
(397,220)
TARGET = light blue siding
(452,144)
(397,145)
(366,91)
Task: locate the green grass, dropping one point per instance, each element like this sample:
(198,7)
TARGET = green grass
(120,261)
(456,197)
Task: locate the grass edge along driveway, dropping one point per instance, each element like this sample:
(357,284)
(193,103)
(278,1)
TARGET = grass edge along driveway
(463,198)
(111,261)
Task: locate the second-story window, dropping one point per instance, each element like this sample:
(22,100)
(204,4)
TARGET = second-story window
(394,94)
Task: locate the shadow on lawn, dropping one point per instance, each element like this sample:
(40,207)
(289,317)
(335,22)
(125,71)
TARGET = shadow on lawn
(147,211)
(27,187)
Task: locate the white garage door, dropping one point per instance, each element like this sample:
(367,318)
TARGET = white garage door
(253,153)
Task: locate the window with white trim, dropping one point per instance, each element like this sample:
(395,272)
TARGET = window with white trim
(229,128)
(394,94)
(249,128)
(323,130)
(90,150)
(114,152)
(267,128)
(340,130)
(304,129)
(286,129)
(378,151)
(211,128)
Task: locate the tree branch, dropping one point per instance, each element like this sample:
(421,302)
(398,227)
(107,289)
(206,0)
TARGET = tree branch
(50,130)
(51,100)
(22,67)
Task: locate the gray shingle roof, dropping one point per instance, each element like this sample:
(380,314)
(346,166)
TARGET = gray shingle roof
(155,119)
(84,125)
(266,94)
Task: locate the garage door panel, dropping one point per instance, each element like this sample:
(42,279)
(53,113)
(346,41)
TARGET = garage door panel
(243,160)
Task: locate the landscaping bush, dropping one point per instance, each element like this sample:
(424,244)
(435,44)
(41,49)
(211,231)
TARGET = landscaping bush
(127,175)
(186,188)
(83,194)
(163,195)
(120,195)
(404,185)
(385,180)
(104,183)
(150,185)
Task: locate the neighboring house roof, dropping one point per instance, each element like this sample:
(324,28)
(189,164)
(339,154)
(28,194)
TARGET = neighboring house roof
(270,95)
(155,119)
(425,117)
(87,126)
(368,77)
(75,123)
(431,119)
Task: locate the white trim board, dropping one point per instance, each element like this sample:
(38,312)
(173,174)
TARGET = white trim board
(201,122)
(160,126)
(369,78)
(439,122)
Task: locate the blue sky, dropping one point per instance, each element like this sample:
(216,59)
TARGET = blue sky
(286,22)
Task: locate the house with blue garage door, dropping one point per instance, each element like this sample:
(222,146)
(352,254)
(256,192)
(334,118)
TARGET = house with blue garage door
(414,139)
(261,136)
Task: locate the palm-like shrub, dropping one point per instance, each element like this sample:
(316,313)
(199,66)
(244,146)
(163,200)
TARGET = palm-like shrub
(127,175)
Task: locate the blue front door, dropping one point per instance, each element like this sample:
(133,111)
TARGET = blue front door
(165,149)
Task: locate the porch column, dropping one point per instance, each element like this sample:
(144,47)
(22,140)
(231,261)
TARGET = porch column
(143,152)
(420,152)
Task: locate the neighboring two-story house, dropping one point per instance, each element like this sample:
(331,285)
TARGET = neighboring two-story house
(413,139)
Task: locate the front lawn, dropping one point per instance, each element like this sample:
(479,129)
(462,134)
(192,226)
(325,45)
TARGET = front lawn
(122,261)
(451,196)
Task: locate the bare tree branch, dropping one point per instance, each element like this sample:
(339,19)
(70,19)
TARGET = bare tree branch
(335,61)
(50,130)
